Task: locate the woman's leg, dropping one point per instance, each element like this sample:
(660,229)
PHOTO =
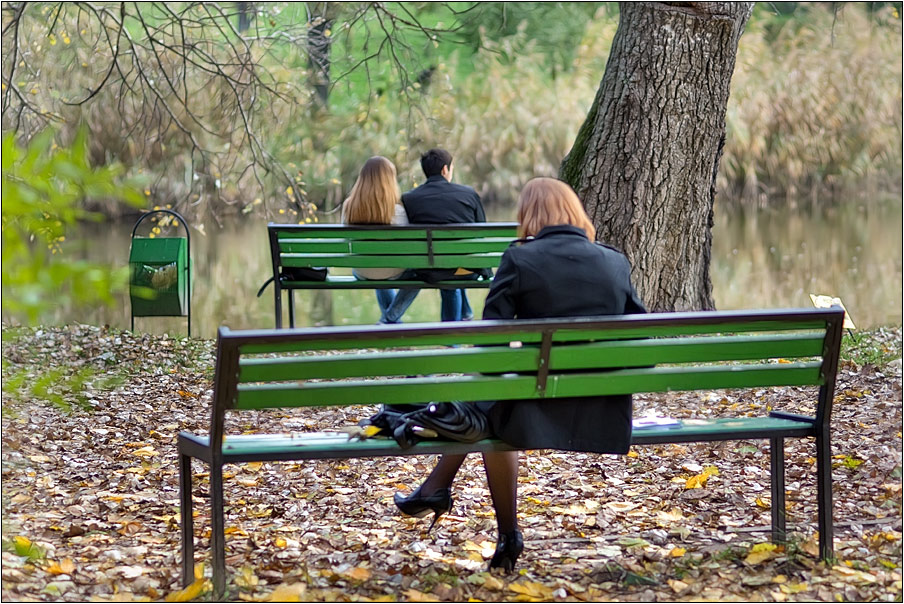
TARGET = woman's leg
(385,298)
(502,478)
(442,475)
(403,299)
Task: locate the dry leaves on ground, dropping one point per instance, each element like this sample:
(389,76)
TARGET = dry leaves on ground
(90,498)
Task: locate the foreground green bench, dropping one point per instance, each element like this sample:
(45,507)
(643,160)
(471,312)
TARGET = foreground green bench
(417,246)
(495,360)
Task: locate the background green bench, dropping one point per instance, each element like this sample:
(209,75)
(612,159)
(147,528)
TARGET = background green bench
(497,360)
(419,246)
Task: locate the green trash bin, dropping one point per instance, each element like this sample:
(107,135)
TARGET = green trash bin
(159,275)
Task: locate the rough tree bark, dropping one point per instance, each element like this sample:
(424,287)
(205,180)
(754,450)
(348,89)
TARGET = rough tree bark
(645,160)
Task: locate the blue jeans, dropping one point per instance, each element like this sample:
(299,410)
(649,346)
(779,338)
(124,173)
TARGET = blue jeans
(394,302)
(454,305)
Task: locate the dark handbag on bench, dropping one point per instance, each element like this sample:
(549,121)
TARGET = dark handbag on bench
(297,273)
(455,420)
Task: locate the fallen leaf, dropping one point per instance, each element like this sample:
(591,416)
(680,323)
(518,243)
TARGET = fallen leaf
(64,567)
(761,552)
(148,451)
(357,574)
(293,592)
(189,593)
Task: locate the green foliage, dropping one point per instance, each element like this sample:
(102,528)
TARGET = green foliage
(877,348)
(45,188)
(815,106)
(23,546)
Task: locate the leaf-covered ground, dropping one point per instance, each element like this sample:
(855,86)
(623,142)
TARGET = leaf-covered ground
(90,496)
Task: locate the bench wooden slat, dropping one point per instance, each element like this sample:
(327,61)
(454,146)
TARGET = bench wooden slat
(616,354)
(433,334)
(393,246)
(509,387)
(485,260)
(395,232)
(350,282)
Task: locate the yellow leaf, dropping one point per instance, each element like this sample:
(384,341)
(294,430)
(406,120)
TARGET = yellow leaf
(854,576)
(677,586)
(247,482)
(145,452)
(254,466)
(39,458)
(493,583)
(677,552)
(419,596)
(793,588)
(21,541)
(761,552)
(532,590)
(357,574)
(370,431)
(280,542)
(64,567)
(246,579)
(293,592)
(762,504)
(189,593)
(699,481)
(632,453)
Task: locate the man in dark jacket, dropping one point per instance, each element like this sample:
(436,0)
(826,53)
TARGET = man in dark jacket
(440,201)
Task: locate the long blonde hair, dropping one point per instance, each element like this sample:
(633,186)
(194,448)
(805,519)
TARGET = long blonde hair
(376,192)
(546,202)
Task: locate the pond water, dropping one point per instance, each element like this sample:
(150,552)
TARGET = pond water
(762,259)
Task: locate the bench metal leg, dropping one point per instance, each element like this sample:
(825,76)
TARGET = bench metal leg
(777,463)
(187,521)
(217,529)
(824,495)
(277,303)
(291,293)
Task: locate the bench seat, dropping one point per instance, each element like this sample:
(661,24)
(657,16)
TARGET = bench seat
(337,445)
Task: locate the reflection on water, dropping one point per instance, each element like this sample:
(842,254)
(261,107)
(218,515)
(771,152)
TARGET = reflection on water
(770,259)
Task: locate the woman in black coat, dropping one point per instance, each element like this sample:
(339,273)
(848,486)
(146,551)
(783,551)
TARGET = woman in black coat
(555,270)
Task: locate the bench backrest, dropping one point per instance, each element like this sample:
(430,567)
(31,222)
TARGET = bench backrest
(420,246)
(504,360)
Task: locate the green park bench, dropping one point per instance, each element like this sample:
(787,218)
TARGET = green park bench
(348,247)
(521,359)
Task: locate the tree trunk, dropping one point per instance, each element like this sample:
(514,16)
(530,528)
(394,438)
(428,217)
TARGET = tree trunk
(246,13)
(645,160)
(320,22)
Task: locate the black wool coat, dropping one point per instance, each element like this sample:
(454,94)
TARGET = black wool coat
(561,273)
(438,201)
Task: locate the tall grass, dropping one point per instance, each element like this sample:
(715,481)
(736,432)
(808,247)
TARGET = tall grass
(815,111)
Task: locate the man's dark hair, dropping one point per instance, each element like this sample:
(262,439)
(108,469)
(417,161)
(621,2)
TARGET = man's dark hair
(432,162)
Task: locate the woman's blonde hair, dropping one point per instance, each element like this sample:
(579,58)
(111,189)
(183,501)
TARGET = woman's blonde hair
(376,192)
(546,202)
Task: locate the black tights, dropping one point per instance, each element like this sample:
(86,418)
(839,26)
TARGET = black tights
(502,478)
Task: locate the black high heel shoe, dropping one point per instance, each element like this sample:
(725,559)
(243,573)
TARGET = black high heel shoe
(508,548)
(417,505)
